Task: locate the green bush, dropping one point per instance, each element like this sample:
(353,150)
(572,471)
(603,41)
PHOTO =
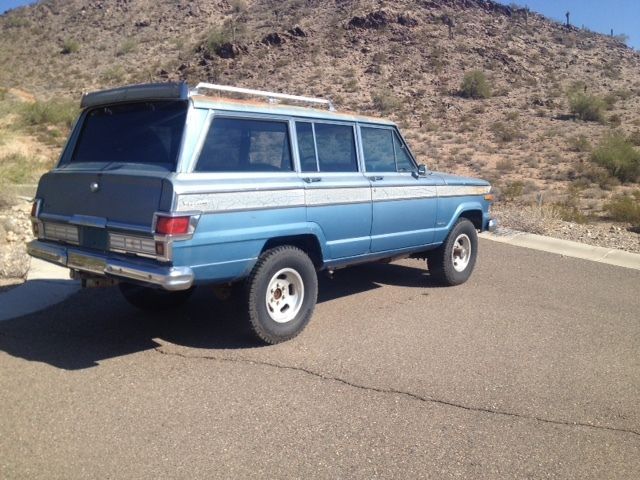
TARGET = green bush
(52,112)
(70,46)
(475,85)
(625,208)
(589,108)
(616,154)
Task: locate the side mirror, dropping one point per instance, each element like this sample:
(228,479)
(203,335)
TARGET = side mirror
(422,170)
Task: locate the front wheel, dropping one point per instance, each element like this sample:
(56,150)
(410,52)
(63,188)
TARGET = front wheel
(453,261)
(281,293)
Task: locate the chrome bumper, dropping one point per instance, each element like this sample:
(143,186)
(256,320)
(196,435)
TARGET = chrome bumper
(169,278)
(492,224)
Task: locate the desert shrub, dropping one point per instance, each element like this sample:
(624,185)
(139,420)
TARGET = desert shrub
(385,101)
(52,112)
(505,165)
(615,120)
(596,174)
(579,144)
(618,156)
(216,37)
(15,168)
(475,85)
(634,138)
(238,6)
(570,213)
(70,45)
(589,108)
(625,208)
(506,132)
(113,74)
(513,190)
(128,46)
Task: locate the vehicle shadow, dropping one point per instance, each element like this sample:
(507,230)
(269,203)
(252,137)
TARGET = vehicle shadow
(98,324)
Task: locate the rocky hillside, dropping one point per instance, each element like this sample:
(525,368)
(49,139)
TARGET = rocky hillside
(405,59)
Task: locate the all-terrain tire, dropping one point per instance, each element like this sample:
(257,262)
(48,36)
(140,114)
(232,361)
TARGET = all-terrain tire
(280,294)
(153,299)
(453,261)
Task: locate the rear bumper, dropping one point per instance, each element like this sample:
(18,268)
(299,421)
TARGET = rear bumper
(492,224)
(169,278)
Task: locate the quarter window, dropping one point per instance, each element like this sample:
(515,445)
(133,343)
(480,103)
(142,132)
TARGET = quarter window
(404,162)
(239,145)
(326,147)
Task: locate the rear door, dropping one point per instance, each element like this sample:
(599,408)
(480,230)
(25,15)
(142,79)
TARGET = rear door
(114,172)
(404,205)
(337,195)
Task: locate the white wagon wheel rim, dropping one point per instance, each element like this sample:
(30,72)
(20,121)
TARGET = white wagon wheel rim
(284,296)
(461,252)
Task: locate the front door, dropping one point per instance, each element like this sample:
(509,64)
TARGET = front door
(404,204)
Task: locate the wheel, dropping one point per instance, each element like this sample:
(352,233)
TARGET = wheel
(453,261)
(280,294)
(153,299)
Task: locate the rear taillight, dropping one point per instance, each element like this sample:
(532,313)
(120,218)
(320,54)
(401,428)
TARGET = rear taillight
(35,208)
(173,225)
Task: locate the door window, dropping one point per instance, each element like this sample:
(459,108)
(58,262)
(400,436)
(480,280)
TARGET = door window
(384,151)
(326,147)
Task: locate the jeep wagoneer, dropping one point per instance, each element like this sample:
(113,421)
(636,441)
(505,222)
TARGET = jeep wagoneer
(161,189)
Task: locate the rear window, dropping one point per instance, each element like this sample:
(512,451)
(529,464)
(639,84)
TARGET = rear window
(244,145)
(136,133)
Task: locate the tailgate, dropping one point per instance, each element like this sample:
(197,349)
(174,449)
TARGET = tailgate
(121,198)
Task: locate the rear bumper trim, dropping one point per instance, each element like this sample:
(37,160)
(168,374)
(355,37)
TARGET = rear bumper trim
(169,278)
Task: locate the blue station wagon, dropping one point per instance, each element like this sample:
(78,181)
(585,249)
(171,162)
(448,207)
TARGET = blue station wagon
(161,189)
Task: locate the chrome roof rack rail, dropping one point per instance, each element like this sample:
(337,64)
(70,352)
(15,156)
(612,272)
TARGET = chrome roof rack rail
(271,96)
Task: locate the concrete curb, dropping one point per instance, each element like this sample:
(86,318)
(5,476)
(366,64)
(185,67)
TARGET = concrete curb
(46,285)
(567,248)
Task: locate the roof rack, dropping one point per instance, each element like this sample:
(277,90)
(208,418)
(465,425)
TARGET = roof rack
(271,96)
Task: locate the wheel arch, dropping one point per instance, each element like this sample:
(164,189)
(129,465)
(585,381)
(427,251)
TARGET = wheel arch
(307,242)
(474,216)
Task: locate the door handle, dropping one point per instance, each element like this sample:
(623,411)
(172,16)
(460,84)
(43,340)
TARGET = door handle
(312,179)
(376,178)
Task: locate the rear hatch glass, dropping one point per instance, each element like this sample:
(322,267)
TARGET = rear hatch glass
(143,134)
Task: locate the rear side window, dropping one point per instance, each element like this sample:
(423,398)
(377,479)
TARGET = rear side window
(326,147)
(244,145)
(136,133)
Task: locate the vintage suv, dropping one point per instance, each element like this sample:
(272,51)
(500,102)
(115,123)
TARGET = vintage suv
(161,189)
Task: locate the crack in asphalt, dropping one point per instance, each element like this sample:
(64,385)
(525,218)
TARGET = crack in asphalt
(411,395)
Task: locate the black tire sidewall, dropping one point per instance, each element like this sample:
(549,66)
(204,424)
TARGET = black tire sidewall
(463,226)
(267,328)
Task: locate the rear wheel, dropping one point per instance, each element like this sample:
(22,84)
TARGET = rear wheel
(153,299)
(452,262)
(281,294)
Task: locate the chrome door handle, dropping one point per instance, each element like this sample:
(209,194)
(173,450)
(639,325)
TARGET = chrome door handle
(376,178)
(312,179)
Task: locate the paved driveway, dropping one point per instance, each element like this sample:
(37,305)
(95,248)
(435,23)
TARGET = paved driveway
(530,370)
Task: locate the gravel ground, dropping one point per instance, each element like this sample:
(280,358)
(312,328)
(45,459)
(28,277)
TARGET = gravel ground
(545,221)
(15,232)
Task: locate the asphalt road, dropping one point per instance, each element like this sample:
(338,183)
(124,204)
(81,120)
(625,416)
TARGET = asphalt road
(530,370)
